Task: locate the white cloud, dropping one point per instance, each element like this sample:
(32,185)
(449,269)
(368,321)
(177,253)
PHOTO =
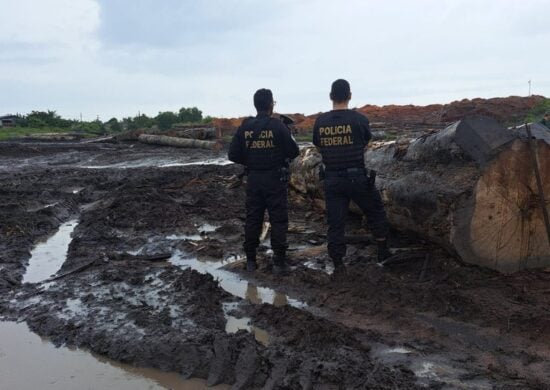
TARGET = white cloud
(115,57)
(59,24)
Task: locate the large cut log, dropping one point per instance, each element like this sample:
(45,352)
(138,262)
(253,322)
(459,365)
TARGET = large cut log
(470,188)
(202,133)
(177,142)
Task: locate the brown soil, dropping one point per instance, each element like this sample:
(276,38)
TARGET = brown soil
(510,110)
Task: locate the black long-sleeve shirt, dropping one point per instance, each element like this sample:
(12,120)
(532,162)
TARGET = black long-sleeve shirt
(262,143)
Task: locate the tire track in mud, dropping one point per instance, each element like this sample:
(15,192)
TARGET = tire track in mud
(158,315)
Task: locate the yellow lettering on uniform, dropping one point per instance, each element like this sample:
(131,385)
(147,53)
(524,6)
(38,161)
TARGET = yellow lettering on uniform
(348,129)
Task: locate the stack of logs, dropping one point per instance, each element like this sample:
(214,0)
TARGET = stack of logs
(184,136)
(471,188)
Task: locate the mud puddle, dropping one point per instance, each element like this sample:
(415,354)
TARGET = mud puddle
(234,324)
(48,256)
(240,288)
(30,362)
(234,285)
(429,367)
(159,163)
(201,234)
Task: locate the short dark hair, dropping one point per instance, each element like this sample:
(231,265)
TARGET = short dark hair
(263,99)
(340,91)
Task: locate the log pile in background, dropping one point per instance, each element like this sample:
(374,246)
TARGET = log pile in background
(190,131)
(470,188)
(177,142)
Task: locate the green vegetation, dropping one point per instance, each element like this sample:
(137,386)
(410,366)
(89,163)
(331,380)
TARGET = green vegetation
(15,132)
(304,137)
(41,122)
(538,111)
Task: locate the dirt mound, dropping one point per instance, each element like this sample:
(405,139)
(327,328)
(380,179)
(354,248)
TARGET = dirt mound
(507,110)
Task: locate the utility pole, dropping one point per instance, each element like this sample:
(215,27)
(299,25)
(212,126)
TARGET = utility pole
(529,82)
(80,117)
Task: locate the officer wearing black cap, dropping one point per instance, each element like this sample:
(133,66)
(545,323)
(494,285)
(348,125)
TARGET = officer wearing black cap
(265,146)
(342,136)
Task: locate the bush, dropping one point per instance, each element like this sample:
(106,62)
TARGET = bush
(537,112)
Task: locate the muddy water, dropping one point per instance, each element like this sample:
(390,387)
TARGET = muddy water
(29,362)
(159,163)
(234,324)
(48,257)
(234,285)
(237,287)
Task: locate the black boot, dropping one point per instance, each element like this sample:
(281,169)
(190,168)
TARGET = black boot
(383,251)
(280,266)
(339,268)
(251,265)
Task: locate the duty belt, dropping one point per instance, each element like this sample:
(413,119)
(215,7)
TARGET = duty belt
(346,172)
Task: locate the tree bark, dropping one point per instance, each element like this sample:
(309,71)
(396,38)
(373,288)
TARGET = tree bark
(202,133)
(177,142)
(470,188)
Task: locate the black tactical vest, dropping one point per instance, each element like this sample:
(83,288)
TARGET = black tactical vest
(341,136)
(262,142)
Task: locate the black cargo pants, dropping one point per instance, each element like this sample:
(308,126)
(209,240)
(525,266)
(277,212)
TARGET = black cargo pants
(340,188)
(266,190)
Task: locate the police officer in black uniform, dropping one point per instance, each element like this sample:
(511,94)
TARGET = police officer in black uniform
(342,136)
(265,146)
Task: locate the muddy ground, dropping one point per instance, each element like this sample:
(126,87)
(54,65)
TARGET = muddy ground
(154,277)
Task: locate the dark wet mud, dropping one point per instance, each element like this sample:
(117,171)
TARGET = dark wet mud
(150,274)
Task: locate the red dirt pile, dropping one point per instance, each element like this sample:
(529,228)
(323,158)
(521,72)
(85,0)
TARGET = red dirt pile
(508,110)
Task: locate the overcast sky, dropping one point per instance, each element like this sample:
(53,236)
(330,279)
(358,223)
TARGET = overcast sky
(117,57)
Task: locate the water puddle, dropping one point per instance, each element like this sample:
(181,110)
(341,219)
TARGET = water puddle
(238,287)
(160,164)
(44,207)
(234,285)
(48,257)
(213,161)
(431,367)
(29,362)
(202,233)
(326,268)
(234,324)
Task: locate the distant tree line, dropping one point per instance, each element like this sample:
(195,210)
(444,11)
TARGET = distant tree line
(164,121)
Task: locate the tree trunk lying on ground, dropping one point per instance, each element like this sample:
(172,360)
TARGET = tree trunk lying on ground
(195,133)
(470,187)
(177,142)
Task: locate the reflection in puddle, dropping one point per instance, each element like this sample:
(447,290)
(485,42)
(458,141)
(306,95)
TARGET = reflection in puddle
(29,362)
(234,324)
(201,235)
(159,164)
(213,161)
(185,237)
(428,367)
(327,268)
(48,257)
(233,284)
(398,350)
